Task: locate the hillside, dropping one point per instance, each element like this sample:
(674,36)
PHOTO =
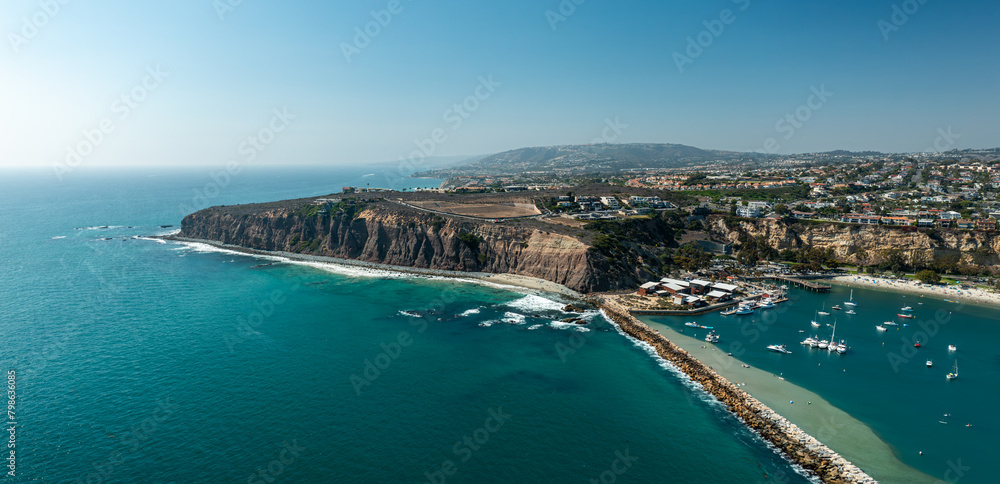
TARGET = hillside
(604,158)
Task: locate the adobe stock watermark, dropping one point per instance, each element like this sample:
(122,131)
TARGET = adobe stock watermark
(702,40)
(619,466)
(454,118)
(121,109)
(900,15)
(363,35)
(374,367)
(926,332)
(563,11)
(470,443)
(246,327)
(284,458)
(944,142)
(134,441)
(33,24)
(955,471)
(225,7)
(792,122)
(249,149)
(612,129)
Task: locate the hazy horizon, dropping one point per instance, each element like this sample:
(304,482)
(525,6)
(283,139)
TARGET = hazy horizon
(351,83)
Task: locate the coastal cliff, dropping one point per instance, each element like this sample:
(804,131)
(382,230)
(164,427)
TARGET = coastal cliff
(385,233)
(867,244)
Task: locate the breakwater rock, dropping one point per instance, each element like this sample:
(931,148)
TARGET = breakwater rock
(797,445)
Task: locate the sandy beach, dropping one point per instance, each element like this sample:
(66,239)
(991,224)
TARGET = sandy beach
(509,280)
(952,292)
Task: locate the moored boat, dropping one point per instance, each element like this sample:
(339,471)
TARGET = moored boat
(907,316)
(850,302)
(778,348)
(954,373)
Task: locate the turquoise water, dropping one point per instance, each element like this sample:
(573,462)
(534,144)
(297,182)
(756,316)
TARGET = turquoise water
(139,361)
(883,380)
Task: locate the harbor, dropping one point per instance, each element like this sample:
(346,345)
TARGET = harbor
(797,445)
(918,418)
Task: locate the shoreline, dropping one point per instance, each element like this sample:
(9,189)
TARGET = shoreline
(508,280)
(795,444)
(906,286)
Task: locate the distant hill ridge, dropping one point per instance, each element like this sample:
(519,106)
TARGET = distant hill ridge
(596,157)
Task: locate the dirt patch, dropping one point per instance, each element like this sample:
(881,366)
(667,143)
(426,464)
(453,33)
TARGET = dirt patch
(485,210)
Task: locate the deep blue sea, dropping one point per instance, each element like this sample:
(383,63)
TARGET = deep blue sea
(140,361)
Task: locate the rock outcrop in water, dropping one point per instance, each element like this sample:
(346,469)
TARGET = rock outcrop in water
(385,233)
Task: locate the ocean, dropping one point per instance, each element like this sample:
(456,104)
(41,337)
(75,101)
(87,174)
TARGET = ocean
(942,428)
(135,360)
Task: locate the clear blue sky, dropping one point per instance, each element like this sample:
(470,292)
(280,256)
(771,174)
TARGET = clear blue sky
(605,60)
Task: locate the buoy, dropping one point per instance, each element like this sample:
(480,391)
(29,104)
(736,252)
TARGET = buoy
(790,401)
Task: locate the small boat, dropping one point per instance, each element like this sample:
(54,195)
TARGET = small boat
(850,302)
(809,341)
(766,304)
(890,323)
(906,308)
(916,345)
(823,311)
(850,311)
(952,348)
(692,324)
(907,316)
(727,313)
(712,337)
(841,347)
(838,308)
(930,363)
(833,339)
(778,348)
(880,327)
(954,374)
(744,310)
(824,344)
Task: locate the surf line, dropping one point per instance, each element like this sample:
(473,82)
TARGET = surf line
(796,444)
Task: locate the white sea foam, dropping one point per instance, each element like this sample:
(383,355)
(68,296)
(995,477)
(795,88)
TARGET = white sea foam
(534,303)
(487,324)
(570,326)
(410,314)
(159,241)
(470,312)
(535,326)
(513,318)
(59,237)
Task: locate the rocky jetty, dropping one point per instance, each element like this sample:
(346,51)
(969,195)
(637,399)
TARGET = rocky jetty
(799,446)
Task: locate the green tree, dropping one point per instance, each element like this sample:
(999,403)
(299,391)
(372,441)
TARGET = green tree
(928,277)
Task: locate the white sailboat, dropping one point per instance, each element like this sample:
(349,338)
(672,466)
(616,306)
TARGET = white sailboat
(833,339)
(851,302)
(823,313)
(954,373)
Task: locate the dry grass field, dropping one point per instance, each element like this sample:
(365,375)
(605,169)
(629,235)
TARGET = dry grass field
(485,210)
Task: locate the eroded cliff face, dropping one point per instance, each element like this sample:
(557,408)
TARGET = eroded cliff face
(381,234)
(851,242)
